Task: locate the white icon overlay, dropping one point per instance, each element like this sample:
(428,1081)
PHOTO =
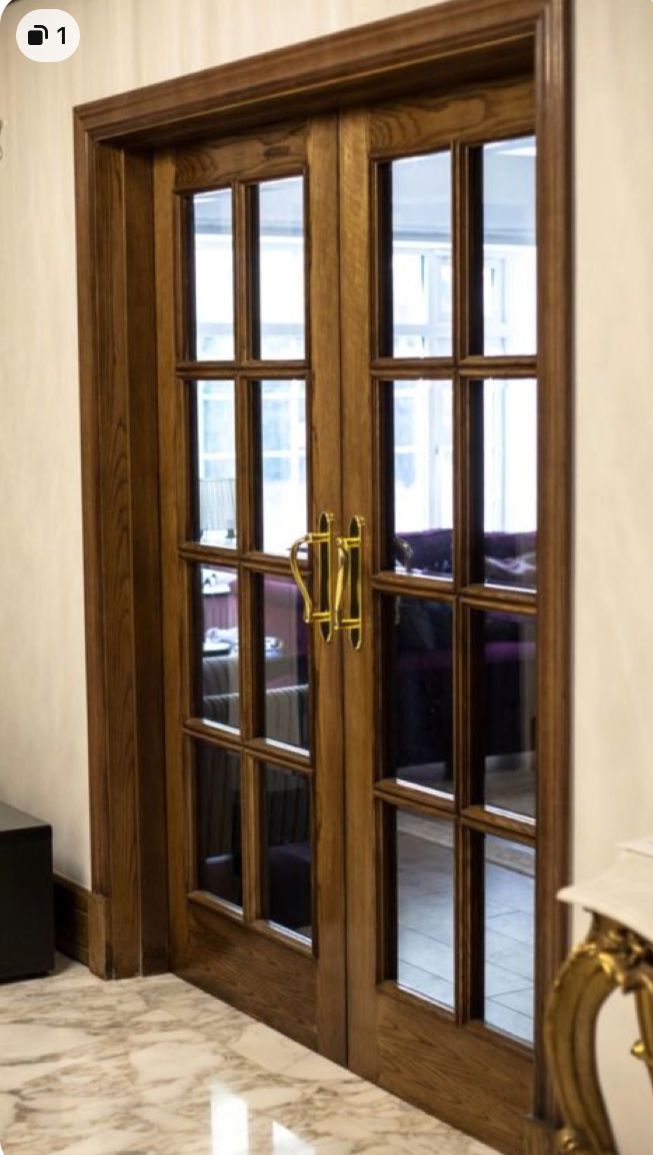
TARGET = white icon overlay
(48,35)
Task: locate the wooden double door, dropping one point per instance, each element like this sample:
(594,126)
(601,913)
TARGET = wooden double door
(348,453)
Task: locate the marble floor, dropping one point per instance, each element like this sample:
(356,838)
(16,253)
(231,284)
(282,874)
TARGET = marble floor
(155,1067)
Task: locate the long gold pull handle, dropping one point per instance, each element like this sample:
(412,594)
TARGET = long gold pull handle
(350,573)
(297,574)
(323,614)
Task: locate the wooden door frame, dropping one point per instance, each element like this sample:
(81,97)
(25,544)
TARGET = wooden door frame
(464,41)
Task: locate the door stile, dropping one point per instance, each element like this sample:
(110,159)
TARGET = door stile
(358,473)
(324,318)
(172,425)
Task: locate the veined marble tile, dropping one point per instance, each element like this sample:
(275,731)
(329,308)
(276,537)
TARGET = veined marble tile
(155,1067)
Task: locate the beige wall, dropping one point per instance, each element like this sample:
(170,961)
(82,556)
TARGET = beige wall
(613,637)
(125,44)
(43,763)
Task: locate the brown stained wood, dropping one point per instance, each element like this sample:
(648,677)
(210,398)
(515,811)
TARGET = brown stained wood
(174,516)
(508,367)
(445,48)
(500,599)
(117,486)
(404,995)
(489,820)
(100,936)
(268,563)
(287,938)
(540,1138)
(414,586)
(325,493)
(205,370)
(448,44)
(244,968)
(211,902)
(71,906)
(95,560)
(417,798)
(408,368)
(555,448)
(230,739)
(146,561)
(251,839)
(281,755)
(386,914)
(360,668)
(401,130)
(274,153)
(182,559)
(470,1081)
(183,223)
(411,127)
(207,554)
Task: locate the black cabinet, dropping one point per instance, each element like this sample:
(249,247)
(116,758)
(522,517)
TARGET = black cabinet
(26,901)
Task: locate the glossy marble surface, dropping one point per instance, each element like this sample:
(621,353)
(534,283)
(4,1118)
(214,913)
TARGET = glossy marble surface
(155,1067)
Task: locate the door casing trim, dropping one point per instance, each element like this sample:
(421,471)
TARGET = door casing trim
(457,42)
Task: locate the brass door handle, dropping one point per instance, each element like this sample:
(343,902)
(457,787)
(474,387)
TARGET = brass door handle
(322,538)
(350,573)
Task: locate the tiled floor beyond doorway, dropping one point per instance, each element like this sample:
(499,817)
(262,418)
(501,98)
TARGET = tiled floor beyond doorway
(154,1067)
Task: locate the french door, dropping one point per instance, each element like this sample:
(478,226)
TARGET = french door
(250,453)
(348,443)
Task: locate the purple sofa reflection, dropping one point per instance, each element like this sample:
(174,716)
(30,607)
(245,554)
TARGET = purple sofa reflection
(420,725)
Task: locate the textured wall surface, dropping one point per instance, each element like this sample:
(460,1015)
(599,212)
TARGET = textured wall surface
(128,43)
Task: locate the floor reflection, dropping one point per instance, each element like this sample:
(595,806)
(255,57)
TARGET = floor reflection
(156,1067)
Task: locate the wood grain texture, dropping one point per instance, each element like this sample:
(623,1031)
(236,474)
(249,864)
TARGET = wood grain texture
(146,561)
(467,1081)
(71,904)
(555,447)
(453,43)
(409,128)
(326,495)
(260,976)
(457,44)
(422,125)
(100,935)
(540,1138)
(274,153)
(118,607)
(312,149)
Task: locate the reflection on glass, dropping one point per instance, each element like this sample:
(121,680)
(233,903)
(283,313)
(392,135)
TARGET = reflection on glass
(425,906)
(423,477)
(287,841)
(214,276)
(217,818)
(285,666)
(509,251)
(279,210)
(283,469)
(218,696)
(509,937)
(506,731)
(215,455)
(419,701)
(510,482)
(419,320)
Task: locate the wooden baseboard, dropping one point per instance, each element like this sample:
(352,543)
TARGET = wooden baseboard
(540,1138)
(71,904)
